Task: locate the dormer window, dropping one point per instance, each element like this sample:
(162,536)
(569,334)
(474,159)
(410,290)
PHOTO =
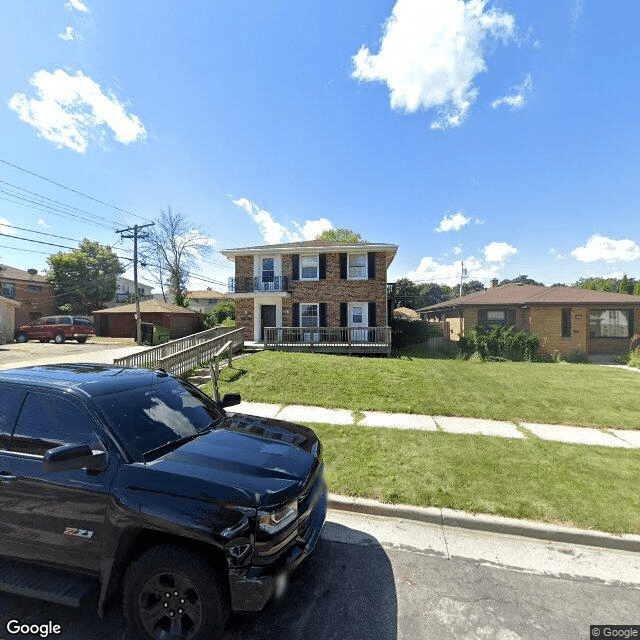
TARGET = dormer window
(309,267)
(357,266)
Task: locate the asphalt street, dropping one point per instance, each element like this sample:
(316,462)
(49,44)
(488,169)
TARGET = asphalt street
(384,578)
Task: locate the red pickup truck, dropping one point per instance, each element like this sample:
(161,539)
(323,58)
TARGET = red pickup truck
(56,328)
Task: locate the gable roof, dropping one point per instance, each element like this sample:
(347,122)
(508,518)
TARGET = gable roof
(535,295)
(205,293)
(11,273)
(149,306)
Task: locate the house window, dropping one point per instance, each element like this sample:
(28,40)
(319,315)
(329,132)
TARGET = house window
(34,287)
(309,267)
(496,317)
(357,266)
(611,323)
(8,290)
(308,315)
(566,323)
(357,315)
(268,269)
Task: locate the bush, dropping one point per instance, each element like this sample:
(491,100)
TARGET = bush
(223,313)
(405,333)
(499,343)
(634,358)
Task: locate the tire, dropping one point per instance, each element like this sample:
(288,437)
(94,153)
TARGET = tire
(172,592)
(82,339)
(58,338)
(21,336)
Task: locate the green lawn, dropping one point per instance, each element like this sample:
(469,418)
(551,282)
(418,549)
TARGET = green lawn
(574,485)
(583,395)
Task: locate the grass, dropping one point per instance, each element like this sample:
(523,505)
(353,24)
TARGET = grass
(582,395)
(575,485)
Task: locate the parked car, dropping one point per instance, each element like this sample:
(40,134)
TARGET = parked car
(56,328)
(134,483)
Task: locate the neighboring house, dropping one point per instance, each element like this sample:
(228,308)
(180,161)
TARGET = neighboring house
(404,313)
(313,295)
(125,290)
(204,301)
(120,322)
(31,290)
(7,319)
(566,319)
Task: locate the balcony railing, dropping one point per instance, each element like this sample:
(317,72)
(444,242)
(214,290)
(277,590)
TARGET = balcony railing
(258,284)
(329,339)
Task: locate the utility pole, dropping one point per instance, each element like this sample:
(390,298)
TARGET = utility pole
(463,275)
(133,233)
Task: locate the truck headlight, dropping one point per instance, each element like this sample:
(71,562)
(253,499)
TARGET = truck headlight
(271,522)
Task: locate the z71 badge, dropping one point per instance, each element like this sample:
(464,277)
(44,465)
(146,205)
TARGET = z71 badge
(78,533)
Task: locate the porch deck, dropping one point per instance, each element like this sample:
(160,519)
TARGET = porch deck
(347,340)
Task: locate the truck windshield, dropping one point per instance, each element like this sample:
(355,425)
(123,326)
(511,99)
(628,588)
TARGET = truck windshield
(147,418)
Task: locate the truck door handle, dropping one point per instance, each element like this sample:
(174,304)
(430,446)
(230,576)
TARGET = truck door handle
(6,477)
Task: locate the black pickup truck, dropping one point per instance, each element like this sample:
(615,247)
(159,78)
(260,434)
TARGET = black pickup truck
(134,483)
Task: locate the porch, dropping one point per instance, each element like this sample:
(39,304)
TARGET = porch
(347,340)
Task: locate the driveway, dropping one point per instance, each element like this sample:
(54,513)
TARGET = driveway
(32,353)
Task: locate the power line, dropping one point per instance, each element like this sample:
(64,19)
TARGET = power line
(42,233)
(80,193)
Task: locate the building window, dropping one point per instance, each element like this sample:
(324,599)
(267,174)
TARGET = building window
(357,313)
(308,315)
(34,287)
(611,323)
(496,317)
(268,270)
(8,290)
(357,266)
(566,323)
(309,267)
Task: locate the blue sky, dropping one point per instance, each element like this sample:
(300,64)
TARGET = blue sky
(503,134)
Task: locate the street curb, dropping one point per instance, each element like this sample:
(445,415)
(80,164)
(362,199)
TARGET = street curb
(484,522)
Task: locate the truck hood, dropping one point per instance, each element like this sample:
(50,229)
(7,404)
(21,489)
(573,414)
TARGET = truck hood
(268,459)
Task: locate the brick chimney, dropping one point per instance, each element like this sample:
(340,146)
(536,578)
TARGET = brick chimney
(494,283)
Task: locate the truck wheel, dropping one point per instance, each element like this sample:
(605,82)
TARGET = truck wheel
(82,339)
(172,592)
(58,338)
(21,336)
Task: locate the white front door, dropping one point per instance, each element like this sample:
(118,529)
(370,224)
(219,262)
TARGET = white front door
(358,320)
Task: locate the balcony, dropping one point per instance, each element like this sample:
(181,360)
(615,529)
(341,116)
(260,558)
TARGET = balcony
(276,284)
(329,339)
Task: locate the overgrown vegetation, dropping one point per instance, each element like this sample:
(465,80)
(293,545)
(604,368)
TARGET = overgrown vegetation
(405,333)
(223,313)
(499,343)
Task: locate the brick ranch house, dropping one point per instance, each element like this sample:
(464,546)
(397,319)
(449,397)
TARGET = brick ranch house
(314,295)
(566,319)
(31,290)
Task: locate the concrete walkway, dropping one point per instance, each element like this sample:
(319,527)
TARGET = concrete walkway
(626,439)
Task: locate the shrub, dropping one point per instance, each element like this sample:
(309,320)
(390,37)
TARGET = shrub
(221,314)
(412,332)
(634,358)
(499,343)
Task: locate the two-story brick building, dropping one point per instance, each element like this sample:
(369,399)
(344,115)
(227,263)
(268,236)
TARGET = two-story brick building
(31,290)
(316,295)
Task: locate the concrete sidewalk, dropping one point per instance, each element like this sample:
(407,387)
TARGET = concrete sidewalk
(621,438)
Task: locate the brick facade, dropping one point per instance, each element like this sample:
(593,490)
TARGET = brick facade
(33,292)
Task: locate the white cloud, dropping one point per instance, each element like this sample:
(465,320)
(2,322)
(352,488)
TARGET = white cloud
(68,34)
(77,5)
(457,250)
(429,270)
(603,248)
(42,223)
(498,251)
(69,110)
(577,9)
(556,255)
(4,229)
(430,54)
(517,96)
(274,233)
(454,222)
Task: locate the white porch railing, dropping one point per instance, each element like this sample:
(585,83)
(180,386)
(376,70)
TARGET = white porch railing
(330,339)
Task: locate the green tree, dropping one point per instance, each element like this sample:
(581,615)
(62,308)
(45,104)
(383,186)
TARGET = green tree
(340,235)
(636,290)
(85,277)
(224,311)
(473,286)
(523,279)
(598,284)
(625,286)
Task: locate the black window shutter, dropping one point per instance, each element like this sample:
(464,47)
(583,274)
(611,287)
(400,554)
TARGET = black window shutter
(323,314)
(295,314)
(511,317)
(371,259)
(295,267)
(322,262)
(343,267)
(372,315)
(482,317)
(343,314)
